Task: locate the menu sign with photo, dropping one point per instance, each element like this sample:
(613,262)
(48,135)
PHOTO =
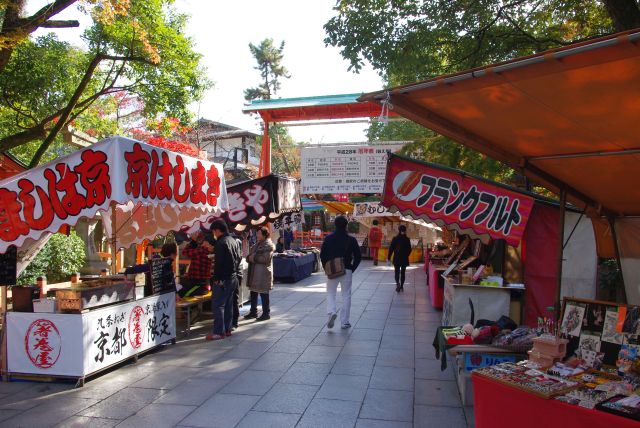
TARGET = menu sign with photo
(345,169)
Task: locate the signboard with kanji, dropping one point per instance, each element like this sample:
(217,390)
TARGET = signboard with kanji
(80,344)
(345,169)
(114,172)
(453,199)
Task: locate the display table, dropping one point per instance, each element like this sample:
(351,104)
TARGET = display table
(497,405)
(489,303)
(293,269)
(436,284)
(78,345)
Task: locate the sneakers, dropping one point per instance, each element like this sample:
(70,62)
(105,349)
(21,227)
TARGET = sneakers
(345,326)
(332,320)
(263,317)
(212,336)
(250,316)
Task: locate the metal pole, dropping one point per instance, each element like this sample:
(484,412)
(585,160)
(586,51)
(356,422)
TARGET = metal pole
(114,250)
(563,203)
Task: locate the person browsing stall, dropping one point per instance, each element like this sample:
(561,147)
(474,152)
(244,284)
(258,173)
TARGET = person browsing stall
(375,241)
(196,281)
(399,251)
(226,271)
(340,245)
(260,278)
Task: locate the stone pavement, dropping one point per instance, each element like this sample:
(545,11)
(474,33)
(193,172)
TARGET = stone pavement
(289,371)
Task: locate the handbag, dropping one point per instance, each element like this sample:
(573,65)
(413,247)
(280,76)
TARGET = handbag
(335,268)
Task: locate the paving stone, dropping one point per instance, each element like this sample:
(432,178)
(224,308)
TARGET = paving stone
(470,416)
(332,338)
(250,349)
(268,420)
(252,382)
(320,354)
(399,330)
(294,345)
(430,369)
(166,379)
(306,374)
(32,395)
(437,417)
(367,348)
(371,423)
(437,393)
(344,387)
(388,405)
(366,334)
(371,323)
(390,341)
(394,378)
(330,413)
(287,398)
(226,368)
(395,358)
(274,361)
(49,413)
(158,416)
(85,421)
(303,331)
(194,391)
(355,365)
(123,404)
(221,411)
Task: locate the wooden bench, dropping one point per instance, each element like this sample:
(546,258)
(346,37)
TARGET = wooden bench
(186,304)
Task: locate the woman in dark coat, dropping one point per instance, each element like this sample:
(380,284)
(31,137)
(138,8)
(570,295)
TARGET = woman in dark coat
(260,277)
(400,249)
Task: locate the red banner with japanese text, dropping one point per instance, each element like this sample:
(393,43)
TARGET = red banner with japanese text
(455,200)
(114,172)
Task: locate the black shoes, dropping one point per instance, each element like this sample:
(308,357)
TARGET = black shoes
(263,317)
(250,316)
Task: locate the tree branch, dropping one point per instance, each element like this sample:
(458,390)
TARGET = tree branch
(54,23)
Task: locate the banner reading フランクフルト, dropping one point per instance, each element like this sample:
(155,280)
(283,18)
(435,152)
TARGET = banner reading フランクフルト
(453,199)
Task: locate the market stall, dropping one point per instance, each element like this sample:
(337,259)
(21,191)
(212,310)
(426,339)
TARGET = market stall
(93,325)
(293,266)
(420,233)
(564,119)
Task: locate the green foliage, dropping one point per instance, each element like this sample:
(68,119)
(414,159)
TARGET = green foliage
(269,59)
(143,53)
(60,257)
(408,40)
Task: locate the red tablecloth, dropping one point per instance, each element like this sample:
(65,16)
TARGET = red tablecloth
(497,405)
(436,293)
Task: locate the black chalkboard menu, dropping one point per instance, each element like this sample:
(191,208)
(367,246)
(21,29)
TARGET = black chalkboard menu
(161,278)
(8,266)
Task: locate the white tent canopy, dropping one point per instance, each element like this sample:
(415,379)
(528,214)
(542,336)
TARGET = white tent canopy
(141,183)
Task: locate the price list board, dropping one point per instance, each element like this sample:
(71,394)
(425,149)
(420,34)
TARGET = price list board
(345,169)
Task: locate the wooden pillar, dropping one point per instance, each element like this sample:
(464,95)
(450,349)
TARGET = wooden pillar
(614,236)
(114,249)
(265,156)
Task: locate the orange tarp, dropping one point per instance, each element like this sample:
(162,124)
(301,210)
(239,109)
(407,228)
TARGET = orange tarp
(566,118)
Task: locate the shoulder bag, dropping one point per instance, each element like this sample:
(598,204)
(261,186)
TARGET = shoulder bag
(335,268)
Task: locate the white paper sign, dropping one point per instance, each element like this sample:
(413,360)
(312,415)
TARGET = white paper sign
(80,344)
(345,169)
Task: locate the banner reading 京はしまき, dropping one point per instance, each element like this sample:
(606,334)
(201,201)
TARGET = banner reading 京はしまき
(452,199)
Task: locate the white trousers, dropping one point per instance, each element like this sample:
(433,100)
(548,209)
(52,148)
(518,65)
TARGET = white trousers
(345,288)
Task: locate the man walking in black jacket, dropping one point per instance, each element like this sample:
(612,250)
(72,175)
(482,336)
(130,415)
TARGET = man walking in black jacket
(226,271)
(340,244)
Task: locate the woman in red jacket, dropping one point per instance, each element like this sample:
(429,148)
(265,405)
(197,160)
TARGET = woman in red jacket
(375,241)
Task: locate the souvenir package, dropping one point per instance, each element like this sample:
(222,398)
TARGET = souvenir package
(563,370)
(530,380)
(584,397)
(622,405)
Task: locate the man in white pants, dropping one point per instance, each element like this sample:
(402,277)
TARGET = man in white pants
(340,245)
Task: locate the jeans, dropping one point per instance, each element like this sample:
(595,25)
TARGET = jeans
(264,297)
(236,306)
(345,287)
(222,305)
(400,273)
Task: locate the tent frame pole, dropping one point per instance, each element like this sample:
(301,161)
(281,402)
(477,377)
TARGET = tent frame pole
(616,248)
(114,250)
(563,206)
